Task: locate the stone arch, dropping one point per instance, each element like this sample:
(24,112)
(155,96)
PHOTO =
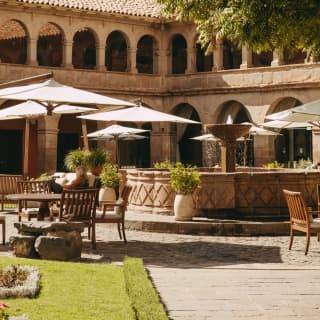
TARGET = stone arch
(70,137)
(239,114)
(232,55)
(13,42)
(235,109)
(146,59)
(292,144)
(179,54)
(187,151)
(204,61)
(50,45)
(84,50)
(117,52)
(135,152)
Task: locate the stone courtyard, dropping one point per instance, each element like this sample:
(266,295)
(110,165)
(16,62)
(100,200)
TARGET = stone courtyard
(208,277)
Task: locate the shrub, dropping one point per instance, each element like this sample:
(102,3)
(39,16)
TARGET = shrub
(110,177)
(96,158)
(166,164)
(75,158)
(184,179)
(141,292)
(273,165)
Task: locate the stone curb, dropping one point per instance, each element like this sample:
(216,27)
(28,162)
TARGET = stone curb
(239,228)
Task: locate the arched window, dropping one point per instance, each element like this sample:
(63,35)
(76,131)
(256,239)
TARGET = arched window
(84,50)
(204,61)
(116,52)
(145,55)
(50,46)
(179,54)
(232,56)
(13,42)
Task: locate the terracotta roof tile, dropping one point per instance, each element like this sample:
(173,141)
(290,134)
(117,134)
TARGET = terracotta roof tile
(143,8)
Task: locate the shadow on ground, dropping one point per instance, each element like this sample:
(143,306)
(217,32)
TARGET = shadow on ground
(183,255)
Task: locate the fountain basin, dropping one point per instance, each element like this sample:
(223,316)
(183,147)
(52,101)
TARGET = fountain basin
(228,133)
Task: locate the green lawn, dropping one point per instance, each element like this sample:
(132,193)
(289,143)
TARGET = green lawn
(74,291)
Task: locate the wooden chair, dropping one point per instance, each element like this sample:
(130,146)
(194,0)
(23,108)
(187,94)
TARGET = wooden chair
(301,218)
(114,212)
(30,209)
(3,223)
(80,205)
(318,197)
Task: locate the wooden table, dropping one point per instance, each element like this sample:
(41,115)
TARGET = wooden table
(43,198)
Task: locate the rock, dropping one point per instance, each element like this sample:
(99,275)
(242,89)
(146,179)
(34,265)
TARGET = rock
(23,246)
(43,227)
(49,240)
(59,246)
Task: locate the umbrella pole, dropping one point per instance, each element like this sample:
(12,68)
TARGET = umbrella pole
(26,149)
(85,134)
(117,151)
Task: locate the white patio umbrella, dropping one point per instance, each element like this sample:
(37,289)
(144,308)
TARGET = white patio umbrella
(117,132)
(51,94)
(30,110)
(308,112)
(206,137)
(138,113)
(280,124)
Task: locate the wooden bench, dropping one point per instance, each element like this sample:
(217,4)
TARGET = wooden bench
(8,185)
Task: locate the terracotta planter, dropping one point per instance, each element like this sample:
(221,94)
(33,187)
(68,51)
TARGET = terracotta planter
(183,207)
(107,194)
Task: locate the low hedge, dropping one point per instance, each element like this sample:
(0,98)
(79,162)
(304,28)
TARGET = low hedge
(144,298)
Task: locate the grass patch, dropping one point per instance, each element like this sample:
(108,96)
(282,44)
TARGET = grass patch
(71,290)
(143,295)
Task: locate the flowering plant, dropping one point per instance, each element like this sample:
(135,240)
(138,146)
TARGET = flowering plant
(3,313)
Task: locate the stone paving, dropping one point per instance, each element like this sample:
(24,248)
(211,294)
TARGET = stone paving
(208,277)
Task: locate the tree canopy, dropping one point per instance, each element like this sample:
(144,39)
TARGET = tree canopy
(261,24)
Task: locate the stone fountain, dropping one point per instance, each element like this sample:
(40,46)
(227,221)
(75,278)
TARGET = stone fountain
(228,133)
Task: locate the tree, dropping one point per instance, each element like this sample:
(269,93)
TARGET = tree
(261,24)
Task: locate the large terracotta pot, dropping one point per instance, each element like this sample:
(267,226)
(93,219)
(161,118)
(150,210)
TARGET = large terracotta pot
(107,194)
(183,207)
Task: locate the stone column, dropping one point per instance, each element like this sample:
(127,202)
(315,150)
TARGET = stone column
(32,52)
(67,54)
(246,58)
(48,142)
(278,59)
(228,155)
(163,61)
(132,65)
(191,64)
(315,145)
(101,66)
(218,56)
(291,145)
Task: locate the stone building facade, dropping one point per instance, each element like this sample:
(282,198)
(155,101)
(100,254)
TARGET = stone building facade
(128,50)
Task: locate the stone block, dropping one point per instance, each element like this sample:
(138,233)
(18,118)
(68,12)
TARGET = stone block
(23,246)
(59,246)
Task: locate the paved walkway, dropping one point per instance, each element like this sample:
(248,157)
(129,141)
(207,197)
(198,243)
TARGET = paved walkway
(204,277)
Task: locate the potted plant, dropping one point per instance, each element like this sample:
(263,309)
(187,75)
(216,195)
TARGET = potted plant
(110,181)
(96,159)
(75,158)
(184,180)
